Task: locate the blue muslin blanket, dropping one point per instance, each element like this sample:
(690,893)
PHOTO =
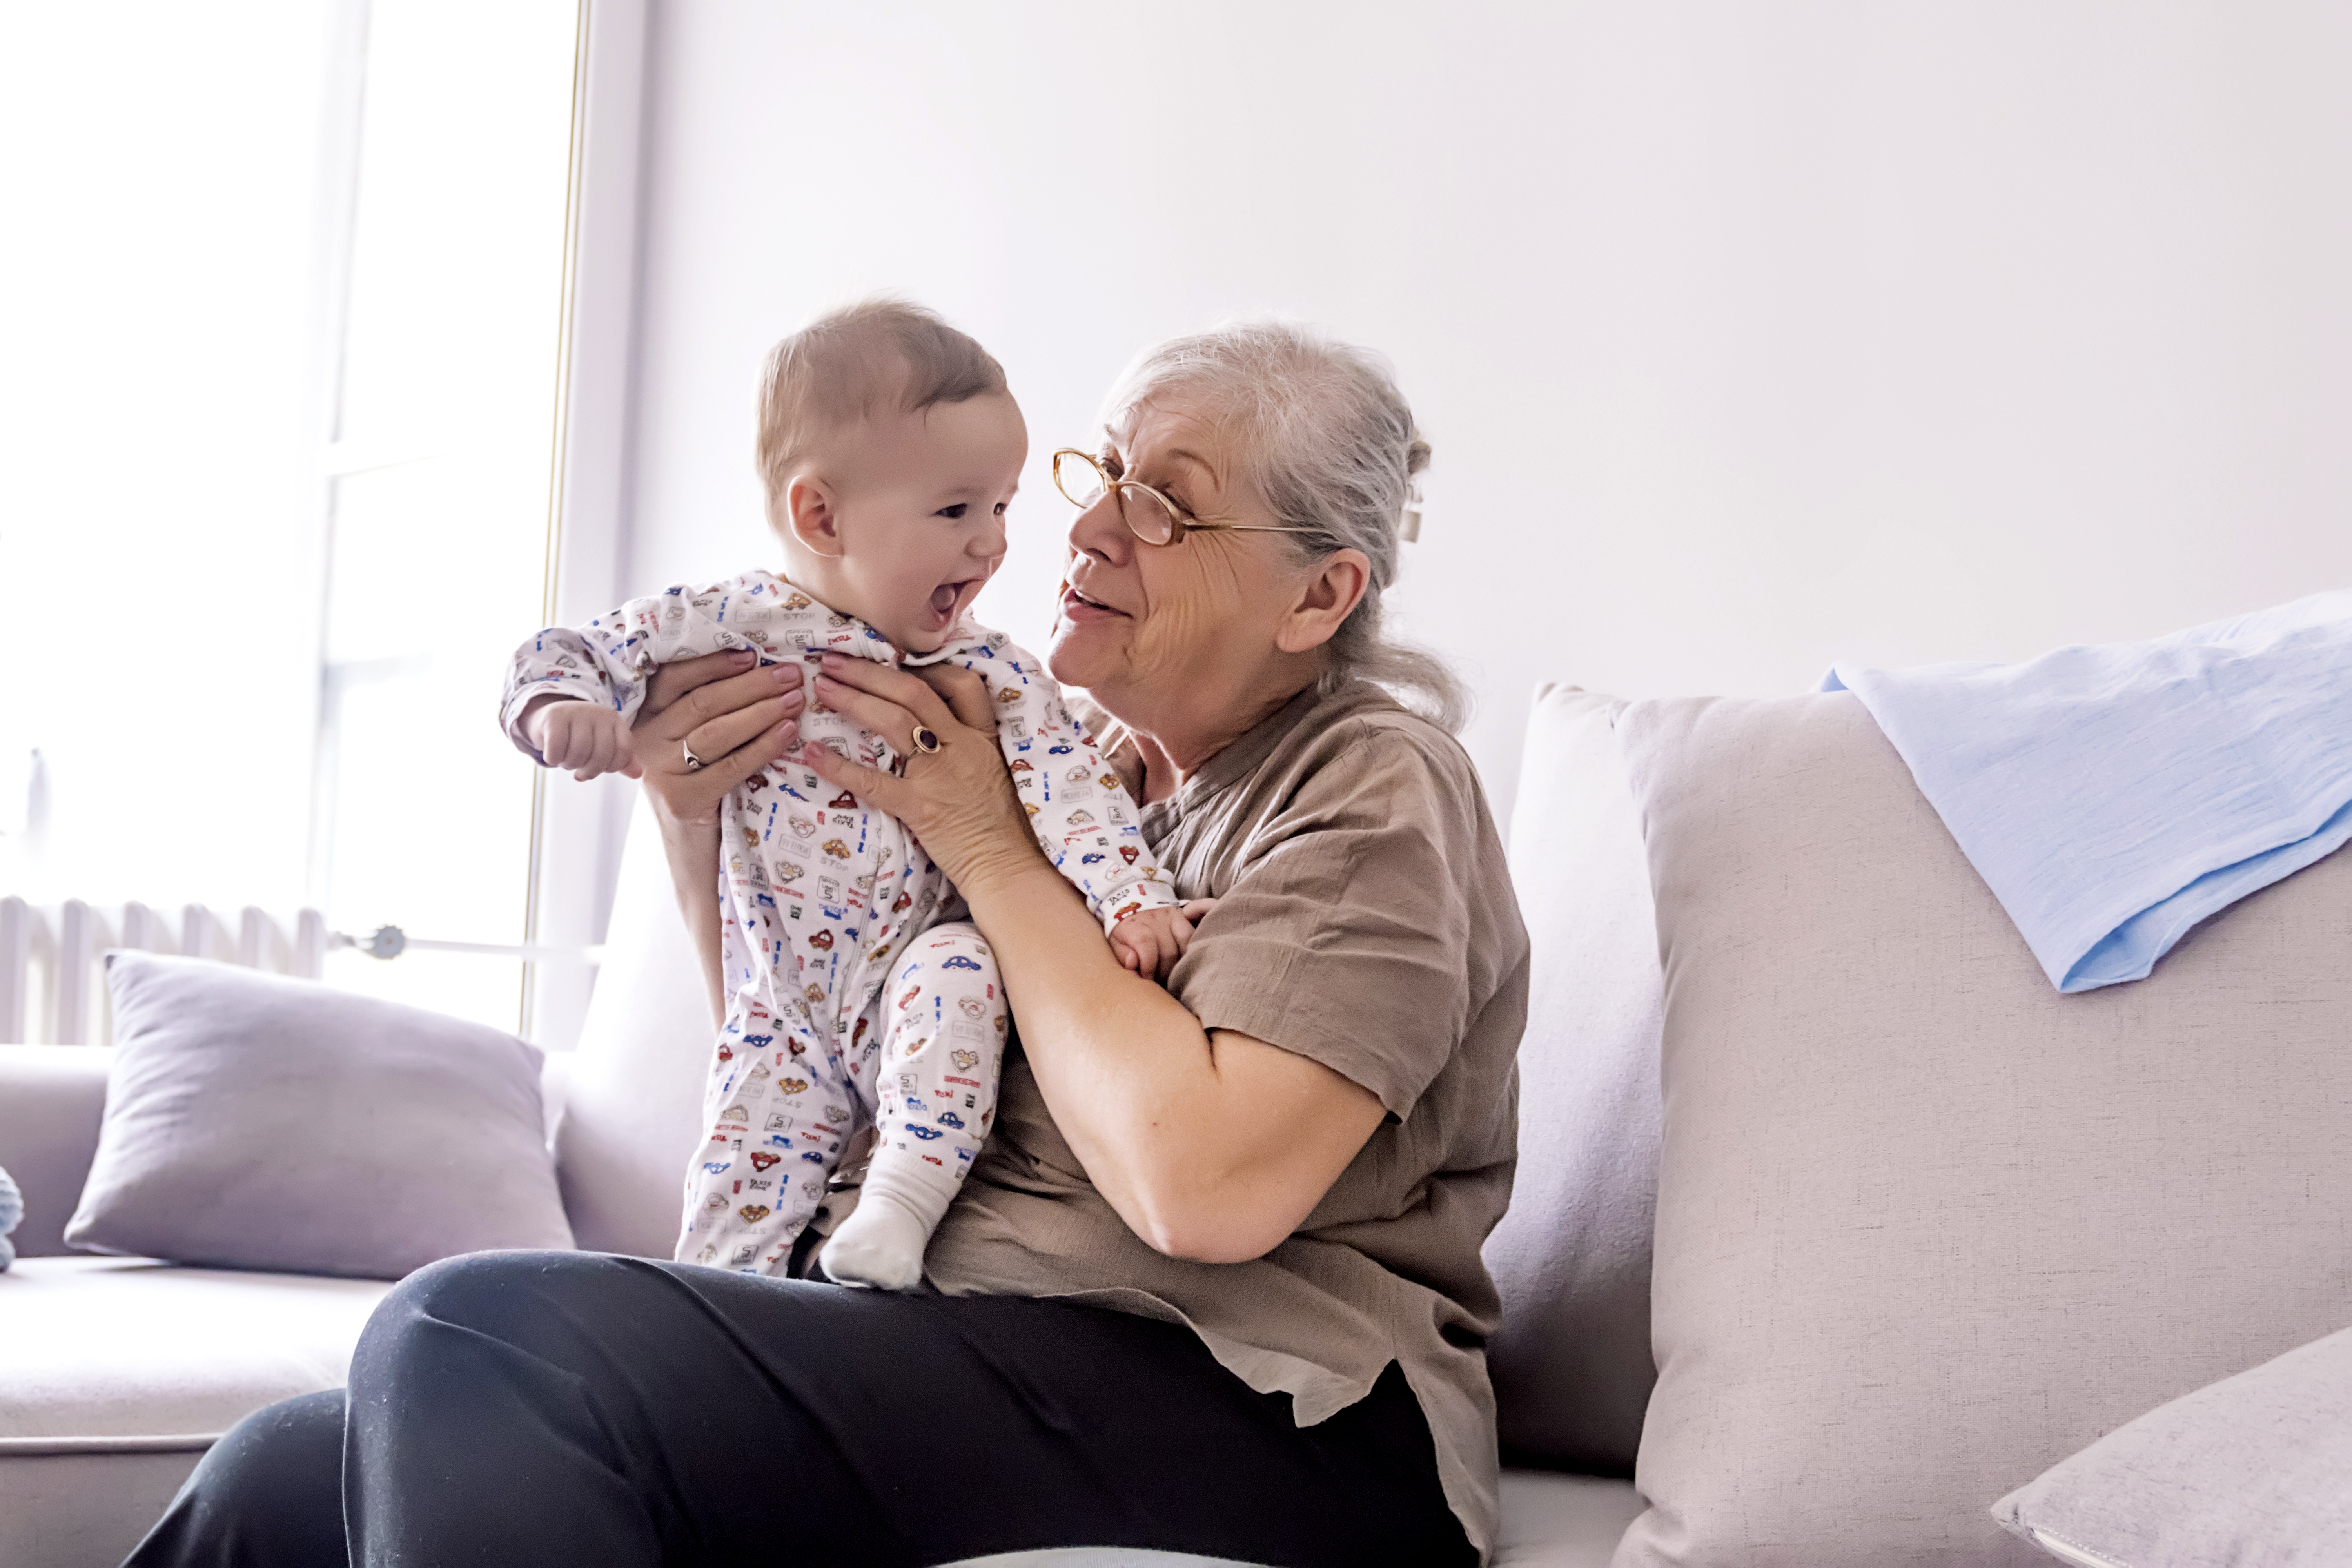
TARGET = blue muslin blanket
(2113,796)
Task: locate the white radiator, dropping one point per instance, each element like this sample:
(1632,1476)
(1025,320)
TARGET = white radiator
(52,992)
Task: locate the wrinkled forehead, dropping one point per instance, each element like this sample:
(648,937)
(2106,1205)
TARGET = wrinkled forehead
(1181,433)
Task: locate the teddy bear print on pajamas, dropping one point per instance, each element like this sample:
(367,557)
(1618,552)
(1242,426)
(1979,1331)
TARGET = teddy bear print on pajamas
(854,992)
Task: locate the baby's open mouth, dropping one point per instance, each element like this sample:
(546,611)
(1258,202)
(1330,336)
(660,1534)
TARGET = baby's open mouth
(944,597)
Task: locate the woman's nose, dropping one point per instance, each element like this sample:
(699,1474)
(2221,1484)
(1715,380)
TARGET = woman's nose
(1098,531)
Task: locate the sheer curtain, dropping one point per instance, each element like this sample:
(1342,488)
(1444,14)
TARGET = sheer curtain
(280,326)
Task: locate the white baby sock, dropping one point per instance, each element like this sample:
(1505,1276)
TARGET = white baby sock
(881,1243)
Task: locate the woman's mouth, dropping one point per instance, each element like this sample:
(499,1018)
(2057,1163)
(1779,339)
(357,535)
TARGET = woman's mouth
(1078,607)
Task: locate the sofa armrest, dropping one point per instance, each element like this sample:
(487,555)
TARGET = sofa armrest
(51,1099)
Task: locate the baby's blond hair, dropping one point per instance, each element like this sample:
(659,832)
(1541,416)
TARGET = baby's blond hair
(847,364)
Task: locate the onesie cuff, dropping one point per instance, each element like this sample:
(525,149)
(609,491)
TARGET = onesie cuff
(1149,893)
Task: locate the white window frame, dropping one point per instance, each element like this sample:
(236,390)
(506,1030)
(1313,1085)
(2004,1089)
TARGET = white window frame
(576,830)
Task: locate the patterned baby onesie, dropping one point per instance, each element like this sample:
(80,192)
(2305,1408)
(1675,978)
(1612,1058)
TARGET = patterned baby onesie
(856,994)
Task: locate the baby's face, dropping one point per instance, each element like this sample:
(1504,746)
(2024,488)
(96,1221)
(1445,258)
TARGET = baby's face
(921,515)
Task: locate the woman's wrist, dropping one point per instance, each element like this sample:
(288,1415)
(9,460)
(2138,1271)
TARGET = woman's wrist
(1006,879)
(683,827)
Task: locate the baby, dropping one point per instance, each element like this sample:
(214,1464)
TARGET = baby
(889,447)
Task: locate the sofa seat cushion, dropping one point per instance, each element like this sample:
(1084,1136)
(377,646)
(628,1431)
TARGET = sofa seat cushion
(101,1354)
(1553,1521)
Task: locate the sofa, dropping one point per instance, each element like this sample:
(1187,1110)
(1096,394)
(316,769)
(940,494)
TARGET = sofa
(1833,1223)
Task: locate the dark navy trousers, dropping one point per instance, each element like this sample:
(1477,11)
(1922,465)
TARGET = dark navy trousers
(575,1408)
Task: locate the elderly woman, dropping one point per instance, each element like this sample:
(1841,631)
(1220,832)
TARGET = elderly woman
(1214,1284)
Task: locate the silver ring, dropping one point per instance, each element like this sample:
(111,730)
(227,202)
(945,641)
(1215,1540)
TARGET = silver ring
(693,762)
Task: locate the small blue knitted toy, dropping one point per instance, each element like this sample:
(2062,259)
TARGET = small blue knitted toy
(12,1209)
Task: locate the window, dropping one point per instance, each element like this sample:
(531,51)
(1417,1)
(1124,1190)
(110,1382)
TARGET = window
(284,361)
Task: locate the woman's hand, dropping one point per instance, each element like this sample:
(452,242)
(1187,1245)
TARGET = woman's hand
(958,801)
(734,717)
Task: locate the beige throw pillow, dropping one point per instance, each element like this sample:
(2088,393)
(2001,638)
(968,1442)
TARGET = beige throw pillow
(1925,1225)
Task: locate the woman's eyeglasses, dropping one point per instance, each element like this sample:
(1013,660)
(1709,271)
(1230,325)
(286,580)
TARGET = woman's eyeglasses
(1149,515)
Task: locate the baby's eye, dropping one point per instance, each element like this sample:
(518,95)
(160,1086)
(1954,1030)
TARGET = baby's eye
(956,510)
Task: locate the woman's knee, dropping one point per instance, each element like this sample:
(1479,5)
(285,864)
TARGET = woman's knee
(498,1296)
(472,1285)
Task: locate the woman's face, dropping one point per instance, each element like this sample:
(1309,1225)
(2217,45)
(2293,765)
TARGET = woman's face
(1140,624)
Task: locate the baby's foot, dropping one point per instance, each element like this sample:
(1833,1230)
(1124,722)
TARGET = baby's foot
(880,1244)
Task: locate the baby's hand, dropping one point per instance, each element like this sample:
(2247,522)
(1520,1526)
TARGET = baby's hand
(587,737)
(1149,942)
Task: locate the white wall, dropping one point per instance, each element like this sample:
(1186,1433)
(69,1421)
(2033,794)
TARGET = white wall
(1749,337)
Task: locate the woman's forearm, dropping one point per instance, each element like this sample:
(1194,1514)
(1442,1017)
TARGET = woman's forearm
(1117,1057)
(708,724)
(1210,1146)
(692,850)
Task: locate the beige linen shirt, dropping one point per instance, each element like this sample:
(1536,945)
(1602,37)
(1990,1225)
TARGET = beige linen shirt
(1368,924)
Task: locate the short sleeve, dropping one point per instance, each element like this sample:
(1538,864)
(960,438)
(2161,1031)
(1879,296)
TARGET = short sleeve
(1346,934)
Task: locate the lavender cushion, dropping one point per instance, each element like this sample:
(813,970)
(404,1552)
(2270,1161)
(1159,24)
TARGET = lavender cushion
(254,1121)
(1572,1259)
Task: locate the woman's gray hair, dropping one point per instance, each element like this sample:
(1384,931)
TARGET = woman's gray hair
(1328,443)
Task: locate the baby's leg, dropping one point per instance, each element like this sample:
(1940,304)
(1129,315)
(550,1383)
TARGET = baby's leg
(942,1024)
(777,1116)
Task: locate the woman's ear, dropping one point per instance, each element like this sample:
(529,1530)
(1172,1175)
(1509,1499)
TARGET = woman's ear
(1327,595)
(811,516)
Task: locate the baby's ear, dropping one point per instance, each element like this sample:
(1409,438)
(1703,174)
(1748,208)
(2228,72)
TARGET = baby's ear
(810,516)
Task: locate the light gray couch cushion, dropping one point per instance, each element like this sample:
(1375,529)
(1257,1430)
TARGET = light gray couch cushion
(1925,1225)
(2254,1468)
(1571,1365)
(1561,1521)
(104,1353)
(262,1123)
(115,1374)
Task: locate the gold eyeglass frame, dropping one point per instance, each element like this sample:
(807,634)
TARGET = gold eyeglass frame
(1185,523)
